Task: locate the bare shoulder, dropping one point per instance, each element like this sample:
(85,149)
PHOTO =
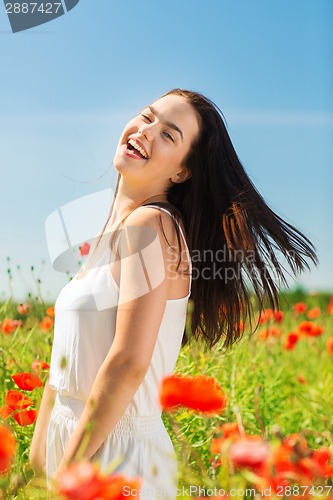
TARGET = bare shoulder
(150,217)
(147,226)
(146,216)
(158,243)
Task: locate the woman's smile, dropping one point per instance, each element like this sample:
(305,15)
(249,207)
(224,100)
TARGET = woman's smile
(135,149)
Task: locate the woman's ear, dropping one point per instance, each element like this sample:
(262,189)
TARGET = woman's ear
(181,176)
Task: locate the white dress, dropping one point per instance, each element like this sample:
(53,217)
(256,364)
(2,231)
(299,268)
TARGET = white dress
(85,317)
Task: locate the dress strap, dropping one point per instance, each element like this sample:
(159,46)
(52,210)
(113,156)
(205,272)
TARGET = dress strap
(181,232)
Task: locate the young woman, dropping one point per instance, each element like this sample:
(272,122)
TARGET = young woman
(182,192)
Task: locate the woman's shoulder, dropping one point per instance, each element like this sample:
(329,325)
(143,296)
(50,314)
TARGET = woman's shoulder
(149,214)
(166,206)
(160,218)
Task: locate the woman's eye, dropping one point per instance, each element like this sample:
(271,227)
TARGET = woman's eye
(146,117)
(169,136)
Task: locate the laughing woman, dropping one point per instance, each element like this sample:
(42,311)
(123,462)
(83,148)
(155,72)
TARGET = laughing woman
(119,323)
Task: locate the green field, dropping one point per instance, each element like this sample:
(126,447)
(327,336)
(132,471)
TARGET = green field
(272,391)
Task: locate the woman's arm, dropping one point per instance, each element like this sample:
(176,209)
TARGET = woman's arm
(142,299)
(37,455)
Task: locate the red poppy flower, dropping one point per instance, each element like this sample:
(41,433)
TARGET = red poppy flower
(83,481)
(24,308)
(46,324)
(199,393)
(249,453)
(329,345)
(230,431)
(84,249)
(273,331)
(266,315)
(300,307)
(323,458)
(291,340)
(25,417)
(317,330)
(269,484)
(264,334)
(6,411)
(297,441)
(80,481)
(310,329)
(8,447)
(38,365)
(301,379)
(278,316)
(282,459)
(287,456)
(50,311)
(294,456)
(309,468)
(118,486)
(322,455)
(9,325)
(17,400)
(313,313)
(27,381)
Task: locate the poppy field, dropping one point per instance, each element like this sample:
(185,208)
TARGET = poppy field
(255,421)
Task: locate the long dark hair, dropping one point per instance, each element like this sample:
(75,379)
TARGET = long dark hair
(234,238)
(226,218)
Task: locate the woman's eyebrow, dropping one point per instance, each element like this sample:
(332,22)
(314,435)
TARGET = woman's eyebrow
(166,122)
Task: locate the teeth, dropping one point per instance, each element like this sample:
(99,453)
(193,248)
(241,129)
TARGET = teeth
(139,148)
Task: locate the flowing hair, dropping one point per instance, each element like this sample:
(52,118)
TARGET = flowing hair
(226,219)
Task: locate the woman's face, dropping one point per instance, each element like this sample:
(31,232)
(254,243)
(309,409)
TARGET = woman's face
(154,144)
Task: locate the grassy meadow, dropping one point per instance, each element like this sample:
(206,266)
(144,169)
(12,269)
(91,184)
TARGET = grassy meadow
(277,382)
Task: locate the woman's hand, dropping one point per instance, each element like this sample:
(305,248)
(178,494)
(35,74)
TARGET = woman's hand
(58,472)
(52,487)
(37,459)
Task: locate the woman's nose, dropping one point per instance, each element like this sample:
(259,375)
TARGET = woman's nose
(147,131)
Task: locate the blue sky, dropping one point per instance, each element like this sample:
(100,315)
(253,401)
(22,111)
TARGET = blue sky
(69,86)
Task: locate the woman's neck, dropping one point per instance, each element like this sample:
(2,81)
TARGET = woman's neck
(129,198)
